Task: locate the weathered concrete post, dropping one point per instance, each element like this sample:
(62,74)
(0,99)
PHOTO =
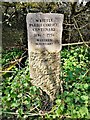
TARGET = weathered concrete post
(44,45)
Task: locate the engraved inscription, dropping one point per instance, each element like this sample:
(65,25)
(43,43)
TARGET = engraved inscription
(44,31)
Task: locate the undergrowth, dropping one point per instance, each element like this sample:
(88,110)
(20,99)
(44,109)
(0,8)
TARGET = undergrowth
(21,100)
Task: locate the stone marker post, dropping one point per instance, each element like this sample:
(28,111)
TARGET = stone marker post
(44,45)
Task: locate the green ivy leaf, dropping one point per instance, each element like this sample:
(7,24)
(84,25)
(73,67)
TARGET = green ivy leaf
(86,86)
(84,97)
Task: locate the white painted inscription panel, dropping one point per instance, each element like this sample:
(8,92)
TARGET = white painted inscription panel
(44,31)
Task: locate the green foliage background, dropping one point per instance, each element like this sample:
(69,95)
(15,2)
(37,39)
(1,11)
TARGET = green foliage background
(21,100)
